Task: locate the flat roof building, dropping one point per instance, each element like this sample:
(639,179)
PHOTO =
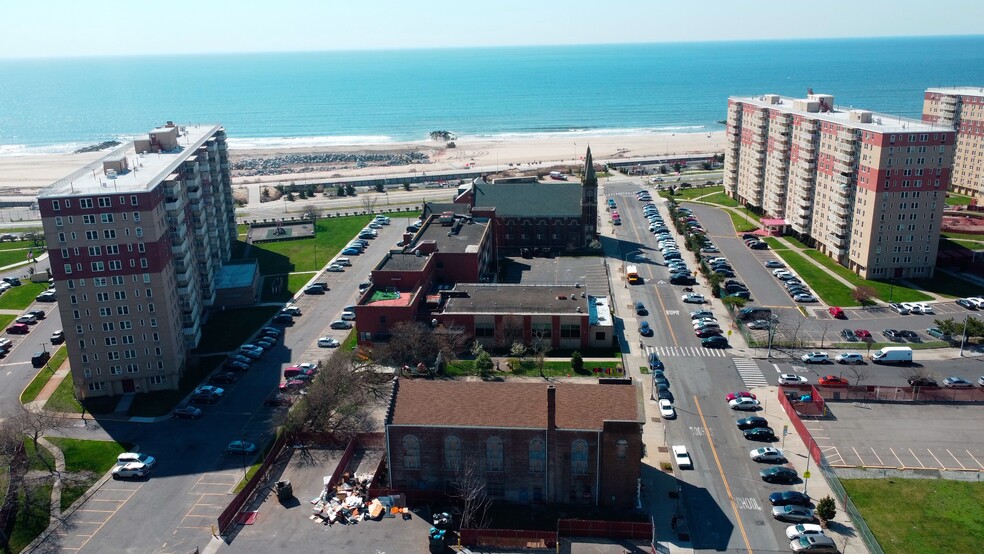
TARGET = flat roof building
(865,188)
(135,241)
(963,109)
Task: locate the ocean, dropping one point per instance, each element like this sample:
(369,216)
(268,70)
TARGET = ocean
(326,98)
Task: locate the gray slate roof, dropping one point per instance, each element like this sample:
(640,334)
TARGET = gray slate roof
(562,199)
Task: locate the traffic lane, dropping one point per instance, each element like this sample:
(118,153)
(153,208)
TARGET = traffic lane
(16,369)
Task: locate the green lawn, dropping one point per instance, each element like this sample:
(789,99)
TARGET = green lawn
(89,459)
(6,320)
(831,291)
(19,298)
(44,375)
(228,329)
(295,282)
(954,199)
(63,399)
(936,516)
(32,514)
(887,291)
(159,403)
(331,236)
(44,462)
(22,245)
(964,236)
(948,285)
(776,244)
(689,193)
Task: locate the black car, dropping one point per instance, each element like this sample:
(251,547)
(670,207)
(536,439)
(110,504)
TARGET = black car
(749,236)
(46,296)
(12,281)
(759,434)
(287,319)
(58,337)
(682,279)
(910,336)
(717,341)
(743,294)
(665,394)
(759,246)
(848,334)
(725,272)
(752,422)
(655,363)
(780,474)
(963,302)
(661,380)
(790,498)
(38,314)
(917,381)
(313,289)
(640,309)
(892,335)
(224,378)
(204,398)
(235,365)
(187,412)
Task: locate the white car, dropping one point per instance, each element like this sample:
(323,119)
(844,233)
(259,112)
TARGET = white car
(744,403)
(693,298)
(375,225)
(700,322)
(208,390)
(766,454)
(849,358)
(682,457)
(382,220)
(240,447)
(328,342)
(925,308)
(335,268)
(792,379)
(815,358)
(666,409)
(132,470)
(131,457)
(914,308)
(308,366)
(794,532)
(781,271)
(348,316)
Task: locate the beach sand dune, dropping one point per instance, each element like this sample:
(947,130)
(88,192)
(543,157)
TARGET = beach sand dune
(26,174)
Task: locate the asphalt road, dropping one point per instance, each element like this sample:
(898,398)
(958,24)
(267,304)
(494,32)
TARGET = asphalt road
(193,480)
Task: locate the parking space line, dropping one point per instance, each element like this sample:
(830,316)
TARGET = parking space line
(132,492)
(877,456)
(858,456)
(892,450)
(941,466)
(975,459)
(95,511)
(918,461)
(955,459)
(838,460)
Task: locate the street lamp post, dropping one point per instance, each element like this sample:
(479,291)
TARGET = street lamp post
(772,333)
(963,341)
(242,444)
(806,479)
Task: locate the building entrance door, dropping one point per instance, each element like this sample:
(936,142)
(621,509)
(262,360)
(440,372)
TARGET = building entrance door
(128,385)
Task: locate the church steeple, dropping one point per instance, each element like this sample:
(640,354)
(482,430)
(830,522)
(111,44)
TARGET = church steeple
(589,179)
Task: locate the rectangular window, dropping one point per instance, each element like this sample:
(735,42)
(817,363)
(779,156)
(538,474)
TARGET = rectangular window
(112,249)
(109,234)
(122,310)
(92,235)
(55,205)
(108,325)
(68,268)
(97,386)
(141,247)
(118,280)
(110,341)
(106,218)
(105,202)
(484,330)
(98,266)
(158,379)
(84,203)
(99,281)
(115,265)
(570,331)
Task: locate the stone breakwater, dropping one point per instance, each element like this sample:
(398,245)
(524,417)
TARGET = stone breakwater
(328,161)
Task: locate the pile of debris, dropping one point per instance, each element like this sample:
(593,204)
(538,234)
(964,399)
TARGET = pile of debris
(348,502)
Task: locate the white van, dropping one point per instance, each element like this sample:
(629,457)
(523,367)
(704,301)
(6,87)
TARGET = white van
(893,355)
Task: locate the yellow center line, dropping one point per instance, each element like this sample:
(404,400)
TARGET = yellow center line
(727,487)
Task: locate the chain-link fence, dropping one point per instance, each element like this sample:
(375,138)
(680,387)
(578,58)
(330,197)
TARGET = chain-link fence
(852,511)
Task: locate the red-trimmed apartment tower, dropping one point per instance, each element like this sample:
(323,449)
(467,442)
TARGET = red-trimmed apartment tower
(963,109)
(135,239)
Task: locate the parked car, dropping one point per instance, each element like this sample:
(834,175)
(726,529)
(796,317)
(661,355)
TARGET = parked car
(892,335)
(774,264)
(644,329)
(225,377)
(240,447)
(314,289)
(131,457)
(335,268)
(779,474)
(751,422)
(693,298)
(936,333)
(815,358)
(804,297)
(793,514)
(708,332)
(328,342)
(789,498)
(744,404)
(957,383)
(209,389)
(898,308)
(287,319)
(12,281)
(816,544)
(920,381)
(759,324)
(862,334)
(40,358)
(803,530)
(848,335)
(640,309)
(46,296)
(19,329)
(701,314)
(666,409)
(791,379)
(716,341)
(132,470)
(682,457)
(738,394)
(836,313)
(341,324)
(760,434)
(833,381)
(58,337)
(235,365)
(767,454)
(352,251)
(849,358)
(187,412)
(965,303)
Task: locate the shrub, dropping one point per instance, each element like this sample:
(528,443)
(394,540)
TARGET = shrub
(826,509)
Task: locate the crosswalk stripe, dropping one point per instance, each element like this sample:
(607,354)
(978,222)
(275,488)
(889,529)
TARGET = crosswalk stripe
(750,373)
(687,351)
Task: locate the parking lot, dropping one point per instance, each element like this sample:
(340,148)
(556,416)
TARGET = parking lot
(86,521)
(903,436)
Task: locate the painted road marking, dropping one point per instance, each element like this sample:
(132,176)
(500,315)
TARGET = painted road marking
(877,456)
(918,461)
(955,459)
(727,487)
(750,373)
(975,459)
(747,503)
(892,450)
(941,466)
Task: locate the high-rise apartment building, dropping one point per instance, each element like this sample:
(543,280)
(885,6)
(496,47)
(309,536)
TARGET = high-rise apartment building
(135,240)
(963,109)
(866,189)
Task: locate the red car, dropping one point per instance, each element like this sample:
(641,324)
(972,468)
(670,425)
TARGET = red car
(863,334)
(837,313)
(19,329)
(833,381)
(740,394)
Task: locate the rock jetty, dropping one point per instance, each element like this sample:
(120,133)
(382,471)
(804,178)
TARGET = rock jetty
(97,147)
(327,161)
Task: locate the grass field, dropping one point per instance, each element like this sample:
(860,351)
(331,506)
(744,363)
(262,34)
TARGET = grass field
(331,236)
(887,291)
(954,199)
(89,460)
(19,298)
(228,329)
(831,291)
(964,236)
(690,193)
(44,375)
(924,516)
(948,285)
(32,513)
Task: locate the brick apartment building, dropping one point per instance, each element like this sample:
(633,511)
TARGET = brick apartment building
(135,241)
(445,275)
(963,109)
(562,443)
(866,189)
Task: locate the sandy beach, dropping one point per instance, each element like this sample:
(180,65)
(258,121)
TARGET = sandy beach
(25,174)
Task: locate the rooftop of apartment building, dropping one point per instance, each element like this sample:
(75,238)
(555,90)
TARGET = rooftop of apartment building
(477,298)
(850,116)
(403,261)
(125,170)
(958,91)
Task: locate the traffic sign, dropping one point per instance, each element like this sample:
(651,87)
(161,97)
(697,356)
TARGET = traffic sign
(806,474)
(785,430)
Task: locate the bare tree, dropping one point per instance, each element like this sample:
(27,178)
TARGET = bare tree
(369,203)
(471,492)
(859,372)
(825,326)
(35,422)
(510,331)
(539,349)
(313,213)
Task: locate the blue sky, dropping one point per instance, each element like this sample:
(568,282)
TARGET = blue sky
(113,27)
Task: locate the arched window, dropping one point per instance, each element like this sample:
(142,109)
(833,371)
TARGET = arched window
(494,453)
(621,447)
(537,455)
(579,457)
(452,453)
(411,452)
